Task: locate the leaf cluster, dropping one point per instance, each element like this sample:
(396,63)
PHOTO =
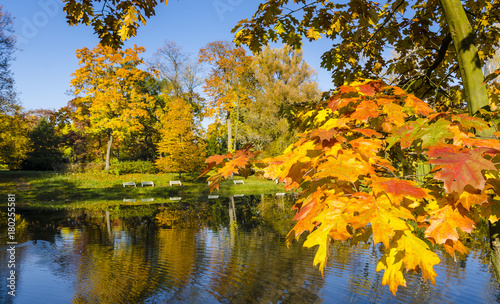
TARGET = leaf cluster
(363,31)
(113,20)
(353,188)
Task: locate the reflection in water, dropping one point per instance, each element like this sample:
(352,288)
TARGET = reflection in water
(222,250)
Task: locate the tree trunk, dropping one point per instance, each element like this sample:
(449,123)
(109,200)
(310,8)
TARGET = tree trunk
(108,151)
(237,119)
(100,151)
(229,132)
(475,91)
(467,55)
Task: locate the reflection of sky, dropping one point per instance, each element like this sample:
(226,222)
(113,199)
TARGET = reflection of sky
(42,274)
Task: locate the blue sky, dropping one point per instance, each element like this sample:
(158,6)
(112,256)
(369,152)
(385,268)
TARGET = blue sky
(47,44)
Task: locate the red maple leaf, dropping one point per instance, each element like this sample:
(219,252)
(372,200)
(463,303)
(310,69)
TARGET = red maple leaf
(398,187)
(461,168)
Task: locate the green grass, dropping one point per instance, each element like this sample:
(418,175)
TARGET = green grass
(91,188)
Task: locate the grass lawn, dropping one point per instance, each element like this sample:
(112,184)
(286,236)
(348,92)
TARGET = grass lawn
(36,187)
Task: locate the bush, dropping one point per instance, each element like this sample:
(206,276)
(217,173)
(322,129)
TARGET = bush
(85,167)
(128,167)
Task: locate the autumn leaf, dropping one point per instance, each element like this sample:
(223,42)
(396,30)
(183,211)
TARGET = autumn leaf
(470,122)
(337,103)
(365,110)
(417,106)
(324,135)
(459,169)
(366,90)
(452,246)
(392,264)
(467,199)
(217,159)
(367,147)
(444,223)
(491,210)
(385,219)
(435,133)
(313,34)
(417,255)
(367,132)
(398,187)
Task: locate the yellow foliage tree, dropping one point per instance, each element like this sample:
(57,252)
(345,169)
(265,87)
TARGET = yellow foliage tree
(113,100)
(14,141)
(180,147)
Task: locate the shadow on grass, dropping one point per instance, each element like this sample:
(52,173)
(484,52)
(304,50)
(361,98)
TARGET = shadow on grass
(53,188)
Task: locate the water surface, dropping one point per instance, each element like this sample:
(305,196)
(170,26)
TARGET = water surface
(210,251)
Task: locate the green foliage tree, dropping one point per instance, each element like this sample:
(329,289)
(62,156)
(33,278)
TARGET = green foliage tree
(283,80)
(14,143)
(45,142)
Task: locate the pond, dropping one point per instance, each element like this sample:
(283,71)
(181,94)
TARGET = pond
(218,250)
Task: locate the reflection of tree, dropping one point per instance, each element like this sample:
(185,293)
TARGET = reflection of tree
(276,212)
(187,252)
(261,269)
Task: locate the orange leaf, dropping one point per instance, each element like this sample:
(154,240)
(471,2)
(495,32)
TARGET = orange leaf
(417,106)
(217,159)
(365,110)
(337,103)
(366,90)
(398,187)
(367,147)
(367,132)
(452,246)
(444,223)
(468,199)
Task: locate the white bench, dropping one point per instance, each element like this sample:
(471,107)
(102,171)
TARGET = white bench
(176,198)
(175,183)
(280,194)
(239,195)
(213,196)
(129,184)
(147,184)
(129,200)
(150,199)
(239,181)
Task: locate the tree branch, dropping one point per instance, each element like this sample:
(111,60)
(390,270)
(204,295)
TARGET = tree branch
(389,17)
(440,55)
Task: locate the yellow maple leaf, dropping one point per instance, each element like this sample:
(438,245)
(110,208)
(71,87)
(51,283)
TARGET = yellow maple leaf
(313,34)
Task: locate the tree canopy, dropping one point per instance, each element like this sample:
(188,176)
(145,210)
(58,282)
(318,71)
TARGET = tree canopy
(362,32)
(112,102)
(114,21)
(282,82)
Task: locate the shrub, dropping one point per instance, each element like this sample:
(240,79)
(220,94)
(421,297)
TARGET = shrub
(128,167)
